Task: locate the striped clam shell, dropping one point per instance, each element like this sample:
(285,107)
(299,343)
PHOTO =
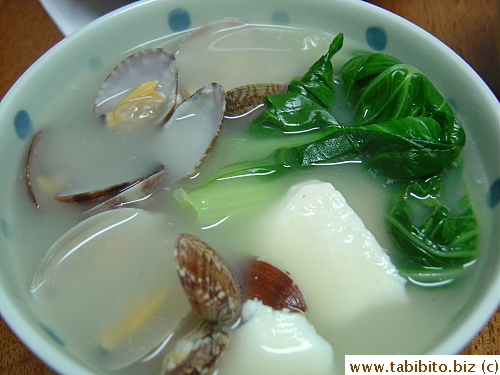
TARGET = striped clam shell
(208,282)
(273,286)
(244,99)
(198,352)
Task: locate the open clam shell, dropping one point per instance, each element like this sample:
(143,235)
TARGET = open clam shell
(208,282)
(143,183)
(117,195)
(136,191)
(141,89)
(234,53)
(209,29)
(28,168)
(112,275)
(197,46)
(187,138)
(273,286)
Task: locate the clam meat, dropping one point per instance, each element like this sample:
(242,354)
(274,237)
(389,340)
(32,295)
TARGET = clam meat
(141,89)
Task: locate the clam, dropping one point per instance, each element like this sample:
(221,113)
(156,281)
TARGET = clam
(214,295)
(234,53)
(273,286)
(136,191)
(243,99)
(198,45)
(208,30)
(28,168)
(112,274)
(198,352)
(142,89)
(189,135)
(208,282)
(143,184)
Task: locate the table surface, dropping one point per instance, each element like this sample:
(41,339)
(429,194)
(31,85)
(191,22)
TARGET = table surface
(470,28)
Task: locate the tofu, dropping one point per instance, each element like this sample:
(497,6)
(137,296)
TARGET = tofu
(275,342)
(338,263)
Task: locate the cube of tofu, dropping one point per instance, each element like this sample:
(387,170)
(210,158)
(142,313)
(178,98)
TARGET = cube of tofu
(276,342)
(341,268)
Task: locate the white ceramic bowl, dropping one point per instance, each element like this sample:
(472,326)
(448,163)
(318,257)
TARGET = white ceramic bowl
(140,22)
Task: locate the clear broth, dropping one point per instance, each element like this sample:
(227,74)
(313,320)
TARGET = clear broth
(75,143)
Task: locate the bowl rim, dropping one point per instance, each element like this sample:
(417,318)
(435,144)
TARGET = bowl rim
(30,335)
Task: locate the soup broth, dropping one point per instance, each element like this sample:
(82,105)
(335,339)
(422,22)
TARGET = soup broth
(77,153)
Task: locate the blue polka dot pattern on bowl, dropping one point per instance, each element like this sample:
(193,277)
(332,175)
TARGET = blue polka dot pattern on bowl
(493,197)
(179,19)
(280,17)
(52,334)
(376,37)
(23,124)
(95,64)
(5,228)
(452,103)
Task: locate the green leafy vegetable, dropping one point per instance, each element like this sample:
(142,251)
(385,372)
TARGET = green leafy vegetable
(381,88)
(401,128)
(404,149)
(443,243)
(306,104)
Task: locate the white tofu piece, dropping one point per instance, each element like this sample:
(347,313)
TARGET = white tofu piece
(275,342)
(338,263)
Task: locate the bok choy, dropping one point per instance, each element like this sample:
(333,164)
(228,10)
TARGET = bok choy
(401,128)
